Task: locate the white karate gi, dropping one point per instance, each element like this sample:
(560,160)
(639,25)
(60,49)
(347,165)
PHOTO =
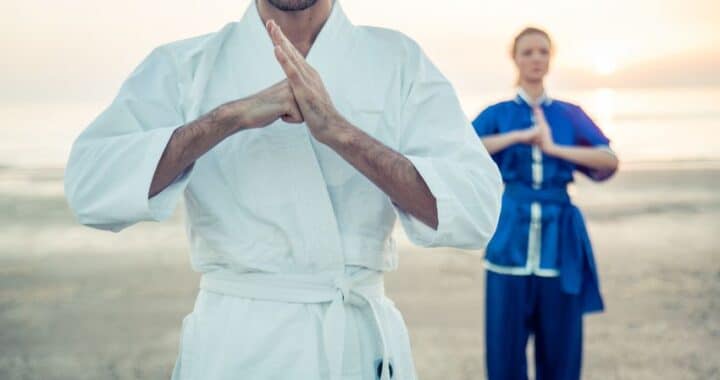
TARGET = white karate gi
(292,240)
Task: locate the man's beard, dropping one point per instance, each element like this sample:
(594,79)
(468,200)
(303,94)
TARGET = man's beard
(292,5)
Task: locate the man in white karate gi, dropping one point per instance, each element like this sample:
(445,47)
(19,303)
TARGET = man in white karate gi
(296,144)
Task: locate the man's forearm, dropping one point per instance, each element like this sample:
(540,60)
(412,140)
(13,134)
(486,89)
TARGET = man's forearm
(188,143)
(392,172)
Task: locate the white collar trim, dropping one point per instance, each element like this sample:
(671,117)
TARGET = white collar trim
(522,96)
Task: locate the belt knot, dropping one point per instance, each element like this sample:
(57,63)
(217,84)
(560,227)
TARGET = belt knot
(345,287)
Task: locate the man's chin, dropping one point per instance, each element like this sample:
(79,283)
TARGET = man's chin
(292,5)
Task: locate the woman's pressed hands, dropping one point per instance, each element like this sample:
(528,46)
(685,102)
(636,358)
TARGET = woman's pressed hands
(545,139)
(529,135)
(312,98)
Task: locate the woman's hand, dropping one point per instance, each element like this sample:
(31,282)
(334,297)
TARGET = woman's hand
(496,143)
(527,136)
(545,140)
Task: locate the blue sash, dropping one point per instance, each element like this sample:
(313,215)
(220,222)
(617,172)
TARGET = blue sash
(578,273)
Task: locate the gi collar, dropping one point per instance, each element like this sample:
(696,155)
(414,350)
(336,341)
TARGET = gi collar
(336,30)
(522,97)
(327,53)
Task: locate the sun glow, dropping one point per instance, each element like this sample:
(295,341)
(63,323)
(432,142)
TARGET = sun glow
(605,64)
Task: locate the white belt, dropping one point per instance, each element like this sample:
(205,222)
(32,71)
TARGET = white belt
(364,288)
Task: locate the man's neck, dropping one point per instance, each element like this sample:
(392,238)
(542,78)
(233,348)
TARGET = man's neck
(300,27)
(534,90)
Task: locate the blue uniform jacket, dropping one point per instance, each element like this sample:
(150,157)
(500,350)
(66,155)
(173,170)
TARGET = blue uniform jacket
(540,231)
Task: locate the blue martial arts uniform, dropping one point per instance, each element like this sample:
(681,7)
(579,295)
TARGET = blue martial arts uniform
(541,272)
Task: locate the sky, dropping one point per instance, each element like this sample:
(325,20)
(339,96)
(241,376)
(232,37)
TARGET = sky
(78,50)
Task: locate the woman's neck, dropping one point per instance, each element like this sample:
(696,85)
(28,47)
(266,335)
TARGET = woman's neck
(534,90)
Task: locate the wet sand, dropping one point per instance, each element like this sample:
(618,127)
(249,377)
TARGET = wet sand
(76,303)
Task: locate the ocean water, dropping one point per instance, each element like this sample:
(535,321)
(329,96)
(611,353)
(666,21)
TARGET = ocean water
(661,125)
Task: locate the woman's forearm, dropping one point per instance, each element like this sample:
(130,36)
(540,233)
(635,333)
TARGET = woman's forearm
(595,158)
(500,141)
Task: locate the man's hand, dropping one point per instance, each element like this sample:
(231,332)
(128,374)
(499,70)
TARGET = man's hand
(263,108)
(310,94)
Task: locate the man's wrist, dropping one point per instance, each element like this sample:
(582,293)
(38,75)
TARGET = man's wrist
(229,117)
(339,133)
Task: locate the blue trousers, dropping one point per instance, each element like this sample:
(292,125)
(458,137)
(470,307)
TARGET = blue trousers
(517,306)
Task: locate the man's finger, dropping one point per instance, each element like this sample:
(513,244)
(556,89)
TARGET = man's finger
(293,53)
(290,69)
(293,116)
(292,62)
(274,36)
(280,39)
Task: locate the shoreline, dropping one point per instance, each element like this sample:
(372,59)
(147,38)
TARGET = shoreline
(669,164)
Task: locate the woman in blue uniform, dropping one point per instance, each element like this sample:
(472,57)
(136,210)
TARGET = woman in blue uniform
(541,274)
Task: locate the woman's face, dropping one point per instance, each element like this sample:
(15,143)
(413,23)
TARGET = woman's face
(532,57)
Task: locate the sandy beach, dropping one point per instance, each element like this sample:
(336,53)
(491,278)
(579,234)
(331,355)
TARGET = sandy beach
(76,303)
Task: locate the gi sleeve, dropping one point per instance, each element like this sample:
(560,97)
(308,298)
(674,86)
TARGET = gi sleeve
(588,134)
(437,137)
(112,162)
